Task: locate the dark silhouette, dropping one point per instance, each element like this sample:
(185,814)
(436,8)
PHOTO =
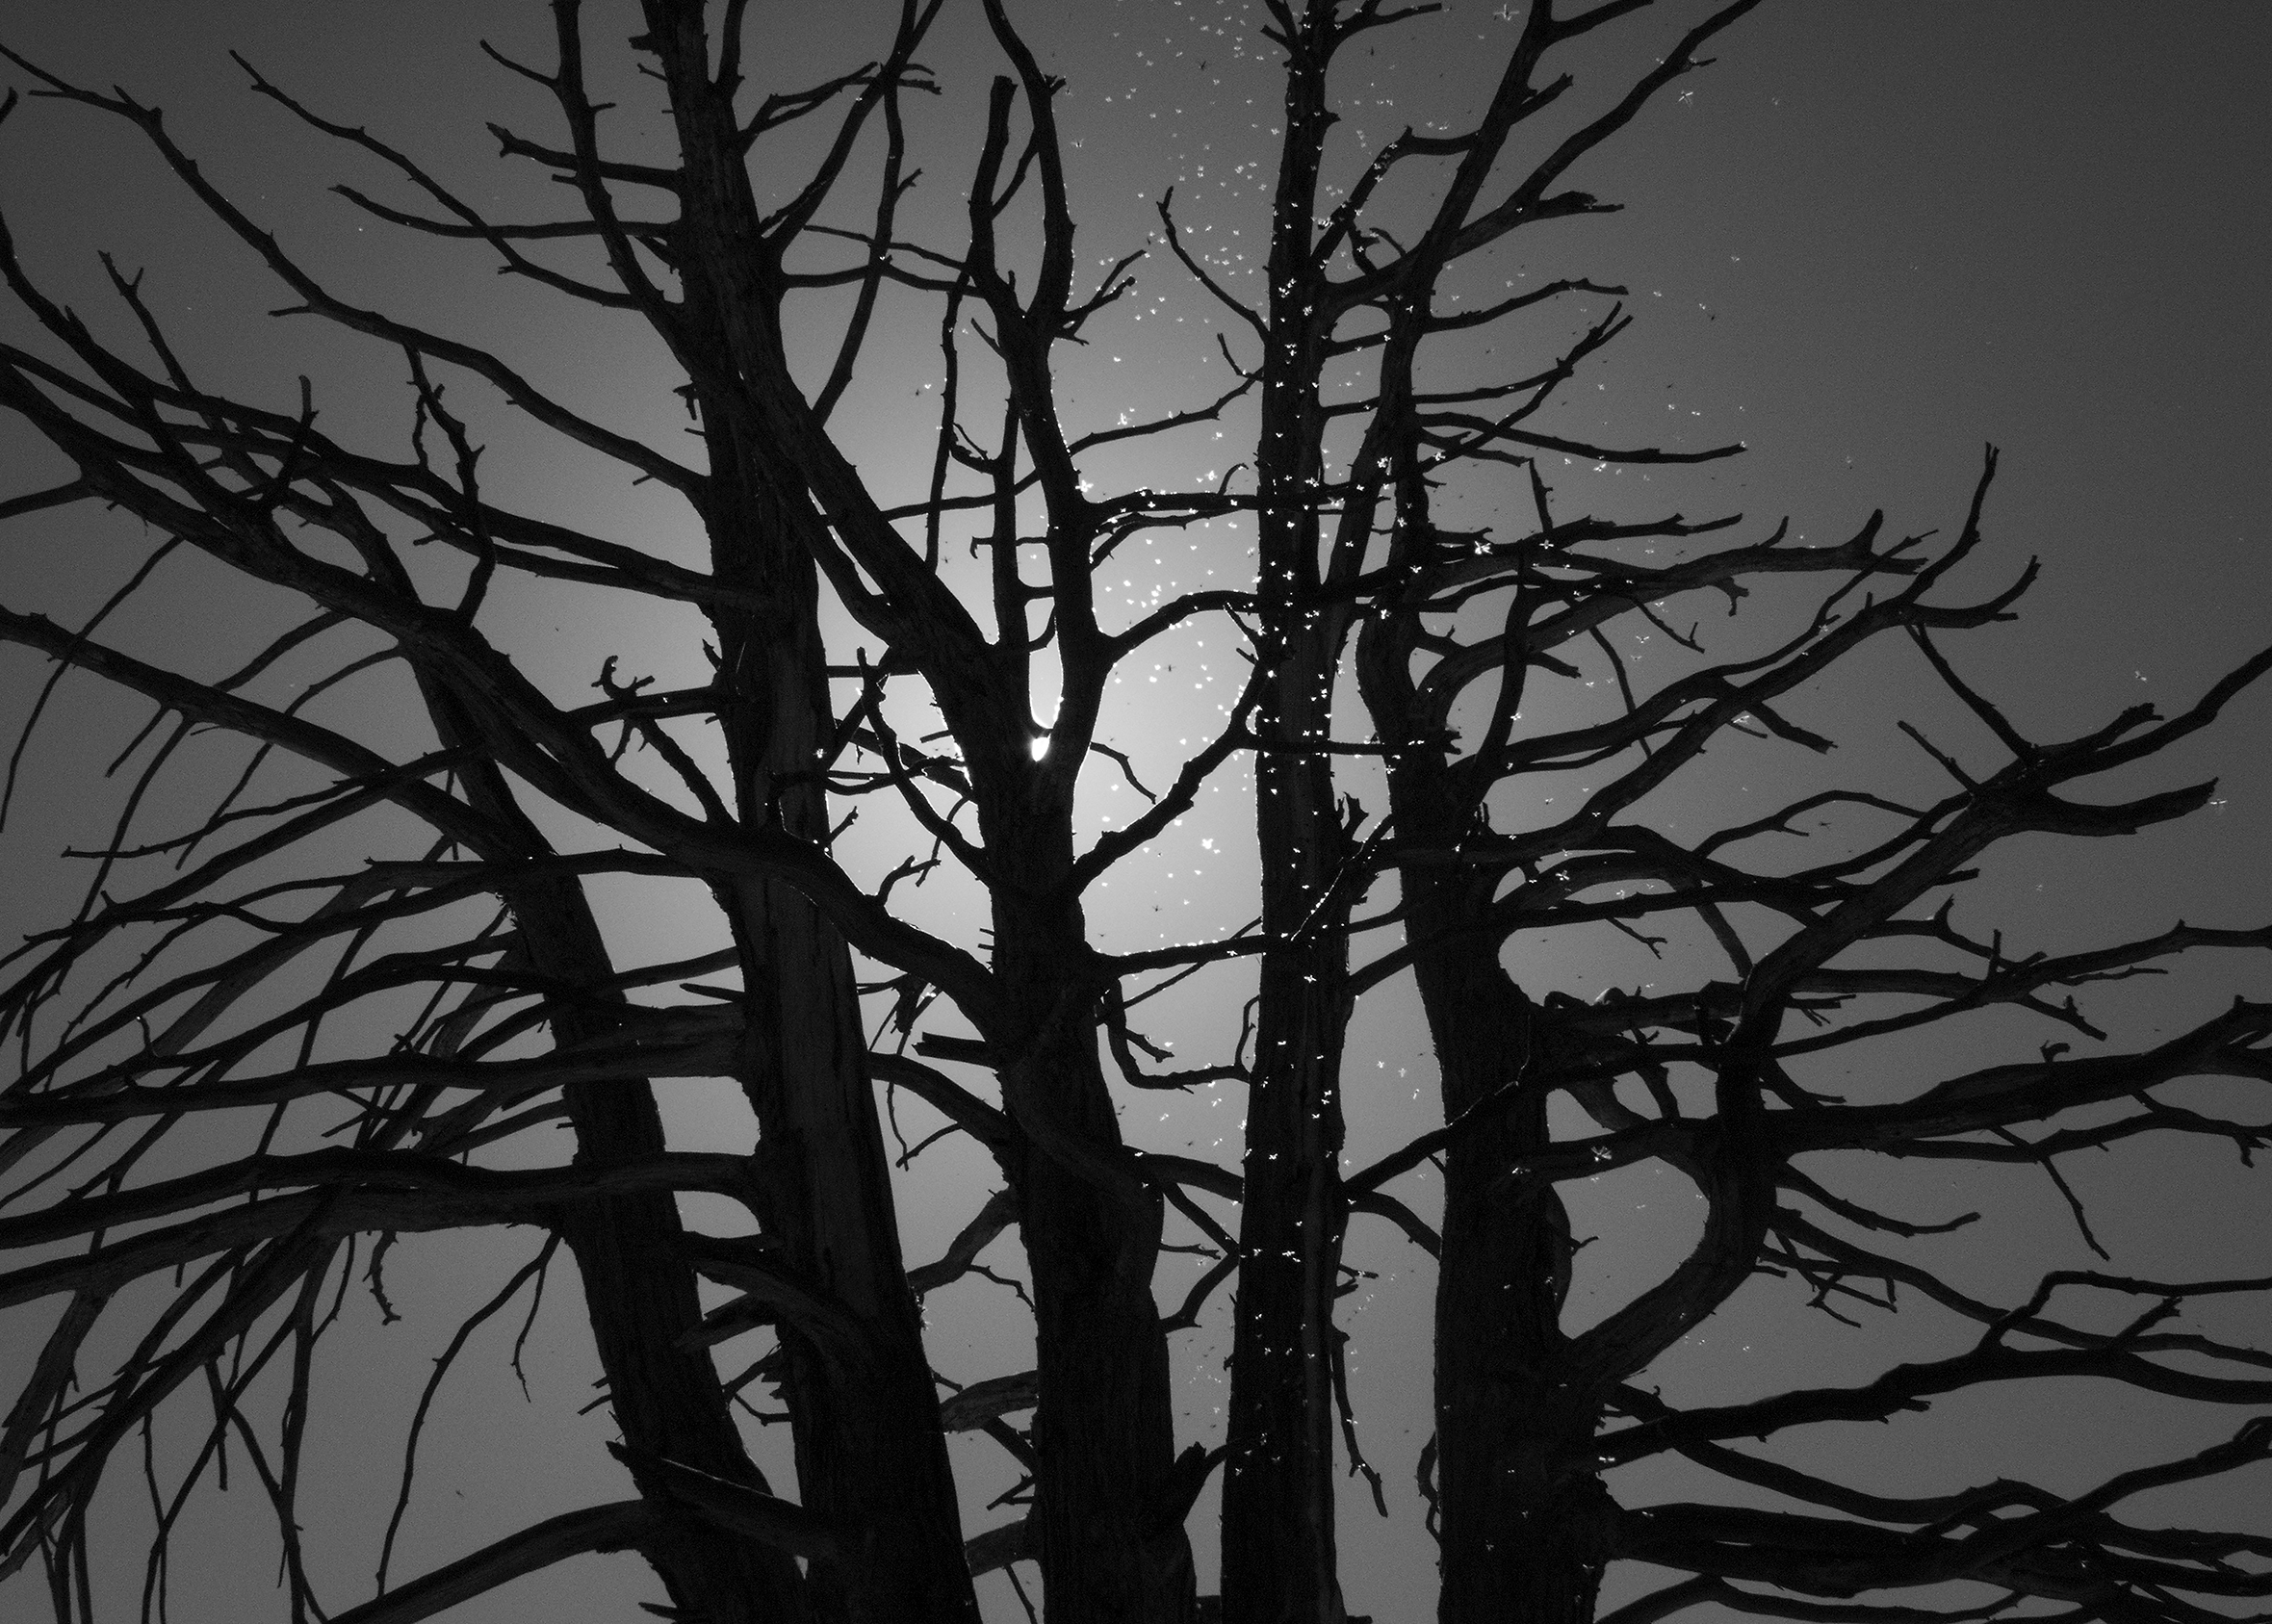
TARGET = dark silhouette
(395,967)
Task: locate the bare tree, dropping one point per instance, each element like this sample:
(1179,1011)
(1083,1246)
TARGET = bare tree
(401,948)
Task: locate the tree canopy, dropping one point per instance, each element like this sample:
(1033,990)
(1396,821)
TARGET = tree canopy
(742,666)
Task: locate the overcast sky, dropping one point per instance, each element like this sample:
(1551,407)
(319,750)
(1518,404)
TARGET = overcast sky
(1868,239)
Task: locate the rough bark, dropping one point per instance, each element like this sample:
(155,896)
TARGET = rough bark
(870,1447)
(1522,1527)
(1107,1509)
(870,1450)
(1523,1524)
(638,1288)
(1279,1564)
(1529,1418)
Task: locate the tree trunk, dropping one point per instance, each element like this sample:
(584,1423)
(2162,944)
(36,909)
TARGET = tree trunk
(640,1292)
(1110,1498)
(870,1452)
(1523,1524)
(1523,1535)
(869,1444)
(667,1401)
(1278,1557)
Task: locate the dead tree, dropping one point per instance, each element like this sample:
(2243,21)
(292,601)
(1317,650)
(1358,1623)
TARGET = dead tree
(1462,631)
(244,983)
(782,508)
(1327,274)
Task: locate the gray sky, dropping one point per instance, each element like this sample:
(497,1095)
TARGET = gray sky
(1868,239)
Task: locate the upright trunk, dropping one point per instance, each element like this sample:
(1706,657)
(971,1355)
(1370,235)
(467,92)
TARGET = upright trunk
(667,1401)
(1523,1524)
(1112,1542)
(869,1449)
(1278,1558)
(630,1251)
(1110,1496)
(1523,1529)
(869,1445)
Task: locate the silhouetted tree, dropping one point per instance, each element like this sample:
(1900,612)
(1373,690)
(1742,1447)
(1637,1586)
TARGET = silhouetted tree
(399,947)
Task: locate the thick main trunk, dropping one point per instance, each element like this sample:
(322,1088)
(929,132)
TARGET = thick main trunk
(1524,1528)
(869,1449)
(870,1452)
(1523,1533)
(1278,1558)
(640,1292)
(1113,1546)
(640,1302)
(1541,1563)
(1110,1498)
